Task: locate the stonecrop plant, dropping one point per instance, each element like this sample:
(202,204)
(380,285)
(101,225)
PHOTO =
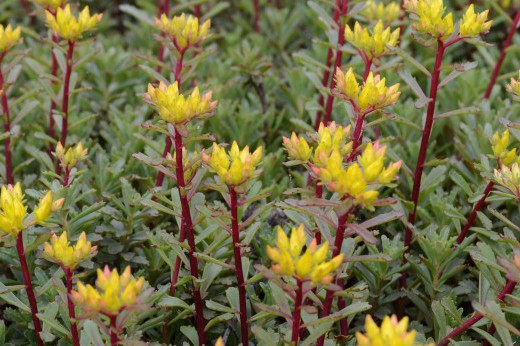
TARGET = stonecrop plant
(250,172)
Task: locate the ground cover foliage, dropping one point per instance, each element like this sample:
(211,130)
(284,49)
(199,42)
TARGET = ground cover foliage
(274,172)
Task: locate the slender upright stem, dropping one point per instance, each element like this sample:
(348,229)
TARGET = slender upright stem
(256,15)
(337,63)
(29,288)
(327,72)
(7,127)
(114,337)
(296,318)
(508,289)
(238,265)
(54,73)
(198,11)
(368,65)
(189,229)
(66,93)
(66,178)
(473,214)
(69,275)
(338,243)
(168,144)
(162,8)
(500,60)
(423,149)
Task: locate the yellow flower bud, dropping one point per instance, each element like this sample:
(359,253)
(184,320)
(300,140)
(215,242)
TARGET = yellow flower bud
(430,18)
(50,4)
(473,24)
(388,174)
(12,209)
(219,342)
(392,332)
(67,26)
(183,30)
(176,109)
(237,166)
(297,148)
(8,37)
(509,177)
(60,251)
(304,265)
(44,209)
(380,11)
(514,86)
(373,44)
(70,157)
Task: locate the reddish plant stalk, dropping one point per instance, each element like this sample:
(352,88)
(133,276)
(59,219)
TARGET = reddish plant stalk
(337,63)
(168,145)
(198,11)
(256,15)
(66,94)
(508,289)
(29,288)
(338,243)
(163,8)
(69,275)
(368,65)
(296,318)
(510,286)
(238,265)
(327,72)
(473,214)
(7,127)
(189,229)
(114,337)
(54,73)
(67,177)
(423,149)
(500,60)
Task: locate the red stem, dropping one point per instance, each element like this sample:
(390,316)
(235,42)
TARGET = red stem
(423,150)
(7,127)
(54,73)
(189,229)
(66,94)
(508,289)
(256,15)
(162,8)
(500,60)
(510,286)
(338,243)
(473,214)
(368,65)
(198,11)
(114,338)
(29,288)
(296,320)
(327,72)
(69,274)
(168,145)
(67,177)
(337,63)
(238,265)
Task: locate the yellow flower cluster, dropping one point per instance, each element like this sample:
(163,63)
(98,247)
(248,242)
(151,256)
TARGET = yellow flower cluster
(331,138)
(297,148)
(430,18)
(379,11)
(500,144)
(67,26)
(235,167)
(514,86)
(509,177)
(357,180)
(113,292)
(176,109)
(392,332)
(52,5)
(13,212)
(71,156)
(372,44)
(8,37)
(312,265)
(373,95)
(60,251)
(183,30)
(473,24)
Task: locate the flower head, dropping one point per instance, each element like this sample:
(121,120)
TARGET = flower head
(8,37)
(500,144)
(509,177)
(60,251)
(514,86)
(330,138)
(473,24)
(235,167)
(71,156)
(373,44)
(430,18)
(176,109)
(183,30)
(113,292)
(372,96)
(52,5)
(379,11)
(67,26)
(13,210)
(297,148)
(391,332)
(311,265)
